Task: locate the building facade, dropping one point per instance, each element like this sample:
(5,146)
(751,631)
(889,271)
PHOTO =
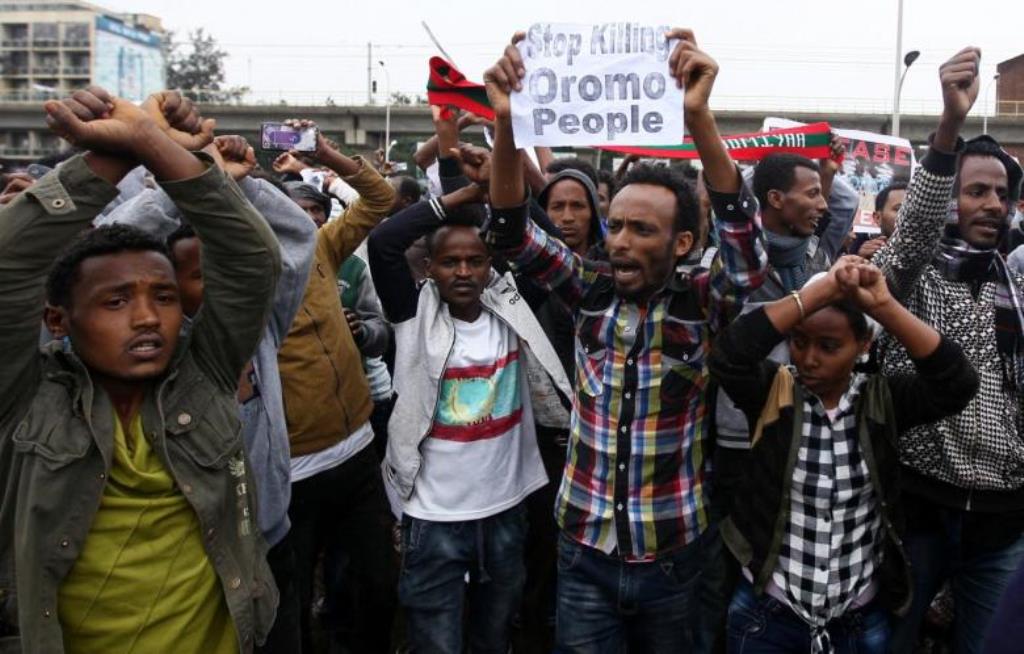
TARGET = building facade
(51,47)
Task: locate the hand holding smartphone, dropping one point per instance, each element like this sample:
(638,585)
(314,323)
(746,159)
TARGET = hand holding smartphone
(279,137)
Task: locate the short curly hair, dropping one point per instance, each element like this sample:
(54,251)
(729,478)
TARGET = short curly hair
(109,239)
(656,175)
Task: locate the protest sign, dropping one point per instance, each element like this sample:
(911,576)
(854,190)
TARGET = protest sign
(596,84)
(871,163)
(811,141)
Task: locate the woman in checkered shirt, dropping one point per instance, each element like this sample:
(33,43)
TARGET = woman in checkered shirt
(815,522)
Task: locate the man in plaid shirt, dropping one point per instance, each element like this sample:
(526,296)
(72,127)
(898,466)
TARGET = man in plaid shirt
(633,502)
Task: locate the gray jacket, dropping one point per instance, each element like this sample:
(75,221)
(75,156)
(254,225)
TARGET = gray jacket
(264,430)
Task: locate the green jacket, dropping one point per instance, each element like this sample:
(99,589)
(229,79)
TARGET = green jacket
(56,426)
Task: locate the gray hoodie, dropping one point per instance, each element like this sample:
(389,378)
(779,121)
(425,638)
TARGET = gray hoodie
(263,422)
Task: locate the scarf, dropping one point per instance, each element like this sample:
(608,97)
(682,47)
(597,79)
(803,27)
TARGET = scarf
(811,141)
(788,257)
(959,262)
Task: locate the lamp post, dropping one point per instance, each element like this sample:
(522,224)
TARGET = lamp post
(387,110)
(984,120)
(908,59)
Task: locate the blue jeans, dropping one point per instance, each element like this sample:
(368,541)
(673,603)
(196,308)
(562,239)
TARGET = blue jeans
(978,576)
(436,556)
(606,604)
(764,625)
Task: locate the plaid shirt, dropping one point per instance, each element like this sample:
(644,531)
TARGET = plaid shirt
(636,476)
(833,540)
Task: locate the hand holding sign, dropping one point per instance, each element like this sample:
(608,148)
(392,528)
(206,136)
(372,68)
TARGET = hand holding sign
(692,69)
(504,77)
(591,85)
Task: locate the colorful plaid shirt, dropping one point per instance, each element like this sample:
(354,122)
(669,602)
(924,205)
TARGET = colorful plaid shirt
(636,477)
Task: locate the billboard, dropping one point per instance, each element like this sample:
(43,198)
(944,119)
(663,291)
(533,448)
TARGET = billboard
(127,61)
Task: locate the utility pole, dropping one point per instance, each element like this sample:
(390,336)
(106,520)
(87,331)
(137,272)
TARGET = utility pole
(369,73)
(897,81)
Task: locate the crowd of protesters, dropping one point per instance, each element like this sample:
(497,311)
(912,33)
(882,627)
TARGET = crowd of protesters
(543,408)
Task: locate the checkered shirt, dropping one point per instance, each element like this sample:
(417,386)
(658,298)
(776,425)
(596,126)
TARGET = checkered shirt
(636,476)
(833,542)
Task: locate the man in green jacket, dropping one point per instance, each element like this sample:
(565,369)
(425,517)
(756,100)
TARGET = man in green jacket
(128,520)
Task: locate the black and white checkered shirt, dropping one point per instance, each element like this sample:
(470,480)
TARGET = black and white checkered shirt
(832,543)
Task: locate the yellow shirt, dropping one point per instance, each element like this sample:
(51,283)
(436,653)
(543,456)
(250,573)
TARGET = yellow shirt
(143,582)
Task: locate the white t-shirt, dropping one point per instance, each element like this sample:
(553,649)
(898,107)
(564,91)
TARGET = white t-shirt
(307,465)
(481,456)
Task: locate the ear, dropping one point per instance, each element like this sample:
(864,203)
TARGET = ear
(56,321)
(426,267)
(775,199)
(683,243)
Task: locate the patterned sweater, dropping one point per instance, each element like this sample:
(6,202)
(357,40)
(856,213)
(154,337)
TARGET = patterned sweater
(973,460)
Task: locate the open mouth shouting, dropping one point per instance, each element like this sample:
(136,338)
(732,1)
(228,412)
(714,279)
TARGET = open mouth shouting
(146,347)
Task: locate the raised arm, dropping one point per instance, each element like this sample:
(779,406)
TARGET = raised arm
(739,360)
(926,208)
(743,260)
(945,381)
(241,263)
(339,238)
(295,232)
(533,252)
(39,222)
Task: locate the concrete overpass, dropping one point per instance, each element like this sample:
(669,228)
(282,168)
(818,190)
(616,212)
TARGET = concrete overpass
(360,129)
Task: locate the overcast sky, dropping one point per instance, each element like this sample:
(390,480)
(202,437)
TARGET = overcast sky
(778,53)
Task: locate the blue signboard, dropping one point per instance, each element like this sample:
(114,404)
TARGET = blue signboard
(127,61)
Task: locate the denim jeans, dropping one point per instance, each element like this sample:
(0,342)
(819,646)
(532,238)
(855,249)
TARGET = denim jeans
(437,556)
(606,604)
(764,625)
(978,573)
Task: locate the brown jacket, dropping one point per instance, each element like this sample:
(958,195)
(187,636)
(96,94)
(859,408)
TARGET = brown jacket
(326,396)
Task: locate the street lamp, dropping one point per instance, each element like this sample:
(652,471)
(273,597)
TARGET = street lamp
(387,110)
(908,59)
(984,120)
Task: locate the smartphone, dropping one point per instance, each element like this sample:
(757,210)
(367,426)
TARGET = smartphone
(281,137)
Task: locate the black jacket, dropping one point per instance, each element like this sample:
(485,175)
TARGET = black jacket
(760,498)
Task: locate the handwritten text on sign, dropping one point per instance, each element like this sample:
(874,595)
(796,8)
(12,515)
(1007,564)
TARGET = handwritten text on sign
(596,85)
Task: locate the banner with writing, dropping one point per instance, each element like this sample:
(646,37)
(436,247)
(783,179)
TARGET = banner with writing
(595,85)
(812,141)
(871,163)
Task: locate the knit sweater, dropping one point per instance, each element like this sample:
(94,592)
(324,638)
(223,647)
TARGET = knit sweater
(973,460)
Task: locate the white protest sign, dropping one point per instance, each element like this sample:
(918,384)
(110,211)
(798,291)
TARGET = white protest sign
(597,85)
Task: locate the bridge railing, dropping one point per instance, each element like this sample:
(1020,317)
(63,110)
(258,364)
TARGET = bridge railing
(766,104)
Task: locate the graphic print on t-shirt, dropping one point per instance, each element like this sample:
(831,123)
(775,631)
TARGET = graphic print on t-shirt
(479,402)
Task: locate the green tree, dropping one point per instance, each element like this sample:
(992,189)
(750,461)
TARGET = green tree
(197,69)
